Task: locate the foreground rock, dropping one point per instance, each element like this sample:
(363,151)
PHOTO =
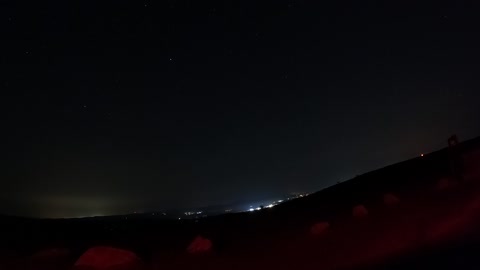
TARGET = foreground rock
(359,211)
(103,258)
(319,228)
(390,199)
(200,245)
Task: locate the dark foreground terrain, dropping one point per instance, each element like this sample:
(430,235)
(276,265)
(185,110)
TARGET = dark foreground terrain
(411,215)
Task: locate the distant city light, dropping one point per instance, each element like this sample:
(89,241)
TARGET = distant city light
(258,208)
(251,209)
(279,201)
(421,155)
(270,206)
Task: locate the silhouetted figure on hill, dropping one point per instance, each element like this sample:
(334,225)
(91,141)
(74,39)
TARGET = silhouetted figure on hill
(455,158)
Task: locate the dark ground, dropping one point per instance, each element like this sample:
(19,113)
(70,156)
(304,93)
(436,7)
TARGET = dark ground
(431,227)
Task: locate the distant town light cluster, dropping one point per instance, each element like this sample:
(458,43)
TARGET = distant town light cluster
(257,206)
(298,195)
(277,202)
(251,209)
(193,213)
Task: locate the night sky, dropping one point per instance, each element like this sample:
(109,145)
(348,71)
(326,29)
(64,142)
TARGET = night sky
(116,106)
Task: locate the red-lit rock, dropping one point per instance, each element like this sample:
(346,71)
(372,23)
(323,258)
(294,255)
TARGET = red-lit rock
(103,258)
(319,228)
(390,199)
(200,245)
(359,211)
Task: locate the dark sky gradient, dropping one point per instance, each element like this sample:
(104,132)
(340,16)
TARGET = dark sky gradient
(112,106)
